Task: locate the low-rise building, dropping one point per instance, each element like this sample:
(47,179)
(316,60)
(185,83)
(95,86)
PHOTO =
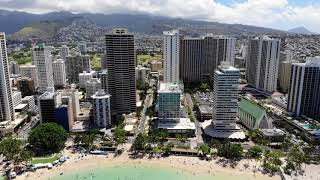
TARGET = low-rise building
(156,66)
(253,116)
(204,101)
(273,135)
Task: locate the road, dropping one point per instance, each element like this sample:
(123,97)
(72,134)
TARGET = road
(143,118)
(146,105)
(23,134)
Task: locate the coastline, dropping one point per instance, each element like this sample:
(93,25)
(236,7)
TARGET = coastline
(189,164)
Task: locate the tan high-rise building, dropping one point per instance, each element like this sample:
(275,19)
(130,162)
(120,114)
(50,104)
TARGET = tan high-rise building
(284,76)
(29,71)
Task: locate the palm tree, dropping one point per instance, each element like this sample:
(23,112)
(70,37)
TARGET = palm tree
(204,149)
(297,157)
(255,153)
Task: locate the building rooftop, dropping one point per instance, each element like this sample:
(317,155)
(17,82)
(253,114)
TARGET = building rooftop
(20,106)
(104,71)
(171,33)
(265,38)
(169,87)
(85,73)
(251,107)
(101,95)
(205,109)
(26,98)
(47,95)
(139,67)
(80,126)
(209,130)
(272,132)
(39,46)
(58,61)
(119,31)
(226,67)
(183,123)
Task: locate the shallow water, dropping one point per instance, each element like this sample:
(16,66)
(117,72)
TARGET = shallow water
(137,172)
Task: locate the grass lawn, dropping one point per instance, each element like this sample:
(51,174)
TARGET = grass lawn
(146,58)
(22,61)
(46,159)
(22,57)
(96,62)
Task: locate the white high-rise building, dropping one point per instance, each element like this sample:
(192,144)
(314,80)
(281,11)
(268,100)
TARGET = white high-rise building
(6,105)
(83,78)
(101,109)
(263,63)
(41,55)
(59,73)
(64,52)
(171,51)
(225,97)
(29,71)
(92,86)
(141,73)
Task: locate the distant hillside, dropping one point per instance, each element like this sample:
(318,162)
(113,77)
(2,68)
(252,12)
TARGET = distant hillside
(26,25)
(301,30)
(41,30)
(13,21)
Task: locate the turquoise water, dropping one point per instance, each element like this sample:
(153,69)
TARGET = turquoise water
(137,173)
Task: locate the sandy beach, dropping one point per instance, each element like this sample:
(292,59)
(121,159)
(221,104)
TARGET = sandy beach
(190,164)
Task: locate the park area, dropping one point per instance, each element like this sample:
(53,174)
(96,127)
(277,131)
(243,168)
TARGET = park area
(46,159)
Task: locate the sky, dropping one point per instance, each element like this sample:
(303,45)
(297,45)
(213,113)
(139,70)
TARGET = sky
(278,14)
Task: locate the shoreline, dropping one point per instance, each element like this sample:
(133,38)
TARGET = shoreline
(192,165)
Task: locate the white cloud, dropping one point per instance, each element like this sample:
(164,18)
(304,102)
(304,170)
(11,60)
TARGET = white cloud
(268,13)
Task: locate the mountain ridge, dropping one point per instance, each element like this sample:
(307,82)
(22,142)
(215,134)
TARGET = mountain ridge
(301,30)
(16,21)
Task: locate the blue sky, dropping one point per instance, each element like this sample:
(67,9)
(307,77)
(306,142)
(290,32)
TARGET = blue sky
(278,14)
